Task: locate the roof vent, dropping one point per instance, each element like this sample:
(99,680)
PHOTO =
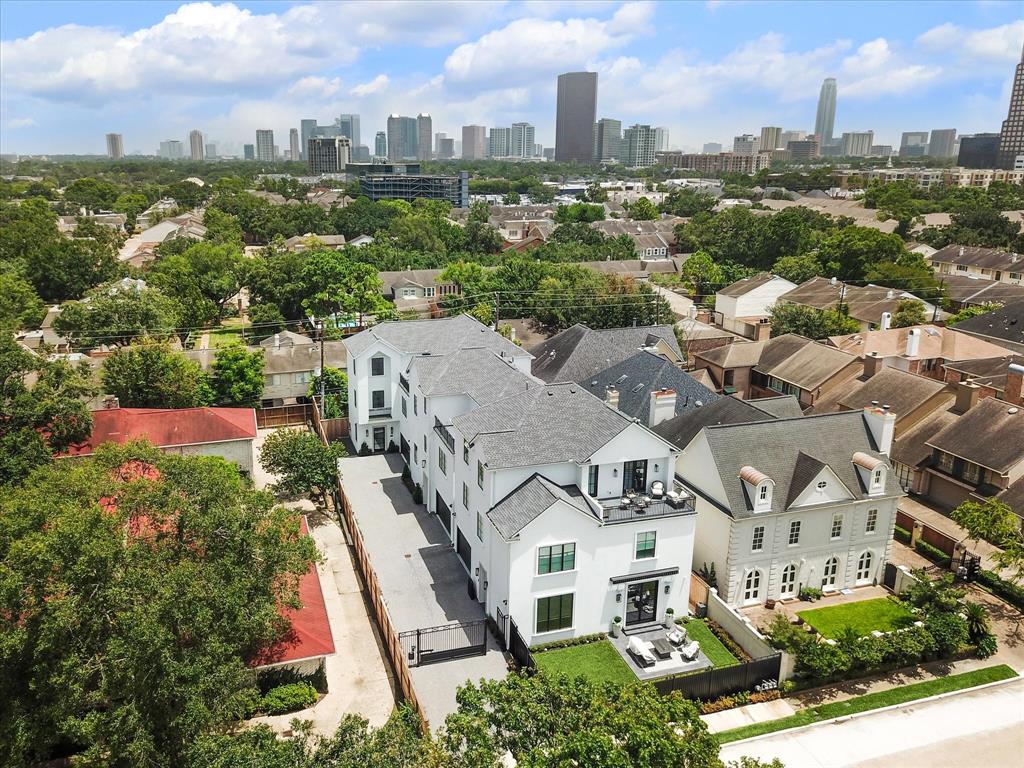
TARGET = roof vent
(1012,411)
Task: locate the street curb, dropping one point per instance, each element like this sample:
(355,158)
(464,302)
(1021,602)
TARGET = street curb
(844,718)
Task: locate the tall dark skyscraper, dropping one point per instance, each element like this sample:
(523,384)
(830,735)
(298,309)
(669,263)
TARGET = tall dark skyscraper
(1011,138)
(825,122)
(575,116)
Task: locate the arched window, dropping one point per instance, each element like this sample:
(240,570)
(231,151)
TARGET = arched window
(788,581)
(828,576)
(864,566)
(752,587)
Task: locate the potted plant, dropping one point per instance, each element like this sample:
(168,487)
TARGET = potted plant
(616,626)
(670,618)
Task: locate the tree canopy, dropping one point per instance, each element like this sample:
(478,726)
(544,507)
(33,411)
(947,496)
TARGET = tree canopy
(304,465)
(150,374)
(116,313)
(237,376)
(810,322)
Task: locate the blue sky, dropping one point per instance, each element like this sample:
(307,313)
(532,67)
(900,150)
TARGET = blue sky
(72,71)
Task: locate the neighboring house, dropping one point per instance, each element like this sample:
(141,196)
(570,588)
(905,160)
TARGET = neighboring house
(300,243)
(987,263)
(224,432)
(791,503)
(361,240)
(157,210)
(515,223)
(416,288)
(637,269)
(140,249)
(46,335)
(579,351)
(681,429)
(744,307)
(652,239)
(866,304)
(68,224)
(1003,326)
(698,336)
(965,291)
(996,377)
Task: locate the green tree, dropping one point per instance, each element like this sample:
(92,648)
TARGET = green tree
(850,252)
(238,376)
(577,232)
(482,238)
(150,374)
(687,202)
(335,385)
(187,194)
(116,313)
(584,212)
(810,322)
(66,269)
(43,406)
(303,464)
(595,193)
(266,320)
(702,274)
(136,587)
(797,269)
(511,198)
(91,194)
(131,204)
(991,520)
(334,283)
(222,228)
(971,311)
(643,210)
(20,305)
(909,312)
(203,279)
(479,211)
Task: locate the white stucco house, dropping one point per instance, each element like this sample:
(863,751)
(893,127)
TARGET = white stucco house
(744,307)
(793,502)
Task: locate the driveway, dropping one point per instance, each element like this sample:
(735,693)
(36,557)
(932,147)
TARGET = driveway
(680,304)
(422,579)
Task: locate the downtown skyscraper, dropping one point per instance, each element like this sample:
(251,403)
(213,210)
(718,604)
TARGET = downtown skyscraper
(825,122)
(575,114)
(115,146)
(195,143)
(1011,138)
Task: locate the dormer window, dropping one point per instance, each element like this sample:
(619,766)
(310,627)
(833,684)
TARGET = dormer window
(872,472)
(759,488)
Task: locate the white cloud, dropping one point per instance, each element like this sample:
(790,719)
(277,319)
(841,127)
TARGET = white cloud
(21,122)
(998,45)
(378,84)
(877,69)
(313,86)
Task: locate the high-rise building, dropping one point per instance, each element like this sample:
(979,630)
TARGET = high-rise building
(825,121)
(858,143)
(211,150)
(538,150)
(474,142)
(771,138)
(788,136)
(522,140)
(307,130)
(638,146)
(979,151)
(424,136)
(115,146)
(881,150)
(499,142)
(293,144)
(575,114)
(914,144)
(661,139)
(249,151)
(942,142)
(380,144)
(711,148)
(1011,138)
(803,149)
(172,149)
(265,146)
(445,147)
(607,140)
(328,155)
(348,125)
(195,143)
(747,144)
(403,138)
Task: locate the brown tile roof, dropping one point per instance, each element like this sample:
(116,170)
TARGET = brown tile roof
(990,434)
(936,342)
(982,258)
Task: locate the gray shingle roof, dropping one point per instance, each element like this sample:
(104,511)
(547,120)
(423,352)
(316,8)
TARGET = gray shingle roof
(801,361)
(989,258)
(901,391)
(579,351)
(645,372)
(725,410)
(479,373)
(1005,323)
(529,501)
(747,284)
(990,434)
(544,425)
(775,448)
(436,337)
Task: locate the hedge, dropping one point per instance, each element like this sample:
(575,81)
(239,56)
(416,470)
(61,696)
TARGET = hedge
(934,554)
(902,535)
(1000,587)
(288,698)
(581,640)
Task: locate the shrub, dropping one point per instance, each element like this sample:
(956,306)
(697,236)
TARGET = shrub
(810,594)
(934,554)
(908,646)
(987,645)
(786,636)
(902,535)
(570,642)
(364,450)
(288,698)
(1007,590)
(822,661)
(406,474)
(948,630)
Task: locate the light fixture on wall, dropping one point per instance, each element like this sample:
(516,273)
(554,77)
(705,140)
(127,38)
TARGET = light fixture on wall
(615,472)
(668,588)
(618,597)
(655,467)
(477,571)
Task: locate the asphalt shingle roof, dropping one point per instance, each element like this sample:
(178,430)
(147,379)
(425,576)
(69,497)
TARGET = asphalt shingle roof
(579,351)
(436,337)
(974,256)
(1005,323)
(990,434)
(801,361)
(725,410)
(529,501)
(479,373)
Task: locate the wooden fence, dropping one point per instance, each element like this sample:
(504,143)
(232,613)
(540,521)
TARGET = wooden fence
(283,416)
(699,591)
(329,430)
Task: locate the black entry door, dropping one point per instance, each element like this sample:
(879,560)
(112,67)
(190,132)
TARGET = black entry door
(379,436)
(462,547)
(641,602)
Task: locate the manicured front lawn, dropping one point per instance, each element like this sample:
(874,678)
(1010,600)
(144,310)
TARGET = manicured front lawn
(712,647)
(881,614)
(597,661)
(871,701)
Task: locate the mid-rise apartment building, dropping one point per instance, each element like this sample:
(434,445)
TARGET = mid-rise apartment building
(328,155)
(115,146)
(265,146)
(724,162)
(638,146)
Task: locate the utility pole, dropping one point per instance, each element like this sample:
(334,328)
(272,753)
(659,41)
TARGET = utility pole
(497,309)
(320,335)
(938,298)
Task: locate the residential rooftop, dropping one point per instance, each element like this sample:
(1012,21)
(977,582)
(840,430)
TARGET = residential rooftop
(433,337)
(934,342)
(579,351)
(990,434)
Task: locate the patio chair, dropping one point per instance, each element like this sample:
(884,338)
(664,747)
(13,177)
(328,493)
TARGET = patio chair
(657,489)
(641,654)
(677,636)
(690,651)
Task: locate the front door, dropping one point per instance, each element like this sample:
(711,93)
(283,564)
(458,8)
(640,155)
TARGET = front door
(462,549)
(641,602)
(379,436)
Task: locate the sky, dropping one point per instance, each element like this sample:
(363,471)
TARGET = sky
(71,72)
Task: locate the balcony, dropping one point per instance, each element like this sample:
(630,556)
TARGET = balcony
(380,413)
(445,435)
(629,509)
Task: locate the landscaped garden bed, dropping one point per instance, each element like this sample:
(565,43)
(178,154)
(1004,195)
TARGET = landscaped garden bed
(864,617)
(710,644)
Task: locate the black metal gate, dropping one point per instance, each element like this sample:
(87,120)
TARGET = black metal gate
(501,627)
(453,641)
(444,514)
(518,648)
(889,577)
(462,548)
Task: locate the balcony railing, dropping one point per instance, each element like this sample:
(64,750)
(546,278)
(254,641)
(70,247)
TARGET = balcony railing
(380,413)
(641,506)
(403,383)
(445,435)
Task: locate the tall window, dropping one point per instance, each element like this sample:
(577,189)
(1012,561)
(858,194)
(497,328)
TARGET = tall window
(762,493)
(465,452)
(864,566)
(556,558)
(634,475)
(837,526)
(592,474)
(872,521)
(646,544)
(465,496)
(752,586)
(554,613)
(788,581)
(376,366)
(378,398)
(415,405)
(479,526)
(480,473)
(442,461)
(828,576)
(757,542)
(405,407)
(794,533)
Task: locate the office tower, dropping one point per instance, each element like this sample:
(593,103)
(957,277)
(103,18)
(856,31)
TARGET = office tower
(249,151)
(825,122)
(348,125)
(499,142)
(661,139)
(575,114)
(803,149)
(771,138)
(914,144)
(857,143)
(172,149)
(787,136)
(746,145)
(638,146)
(211,150)
(195,143)
(380,144)
(474,142)
(522,140)
(307,130)
(360,153)
(712,148)
(444,146)
(1011,139)
(978,151)
(403,138)
(265,145)
(607,140)
(328,155)
(424,134)
(538,150)
(115,146)
(942,142)
(293,144)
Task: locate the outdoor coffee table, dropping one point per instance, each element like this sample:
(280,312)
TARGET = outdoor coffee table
(662,648)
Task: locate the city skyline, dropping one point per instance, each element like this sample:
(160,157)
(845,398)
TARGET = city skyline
(933,66)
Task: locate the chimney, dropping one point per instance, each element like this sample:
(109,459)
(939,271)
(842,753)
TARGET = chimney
(704,315)
(662,406)
(967,396)
(277,341)
(886,322)
(882,425)
(1014,384)
(913,342)
(111,403)
(762,331)
(873,363)
(611,396)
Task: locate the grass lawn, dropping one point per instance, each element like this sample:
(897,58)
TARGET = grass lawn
(597,661)
(872,701)
(865,616)
(713,648)
(225,335)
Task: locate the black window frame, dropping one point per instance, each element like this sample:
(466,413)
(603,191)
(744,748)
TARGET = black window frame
(551,612)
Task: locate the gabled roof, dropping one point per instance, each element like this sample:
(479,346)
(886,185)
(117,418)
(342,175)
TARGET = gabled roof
(166,427)
(982,258)
(865,303)
(435,337)
(529,501)
(903,392)
(967,289)
(804,471)
(990,434)
(990,372)
(801,362)
(419,277)
(725,410)
(478,373)
(579,351)
(740,354)
(934,342)
(1006,323)
(284,339)
(748,284)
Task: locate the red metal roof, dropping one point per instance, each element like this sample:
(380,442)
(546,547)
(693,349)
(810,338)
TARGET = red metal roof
(310,635)
(165,427)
